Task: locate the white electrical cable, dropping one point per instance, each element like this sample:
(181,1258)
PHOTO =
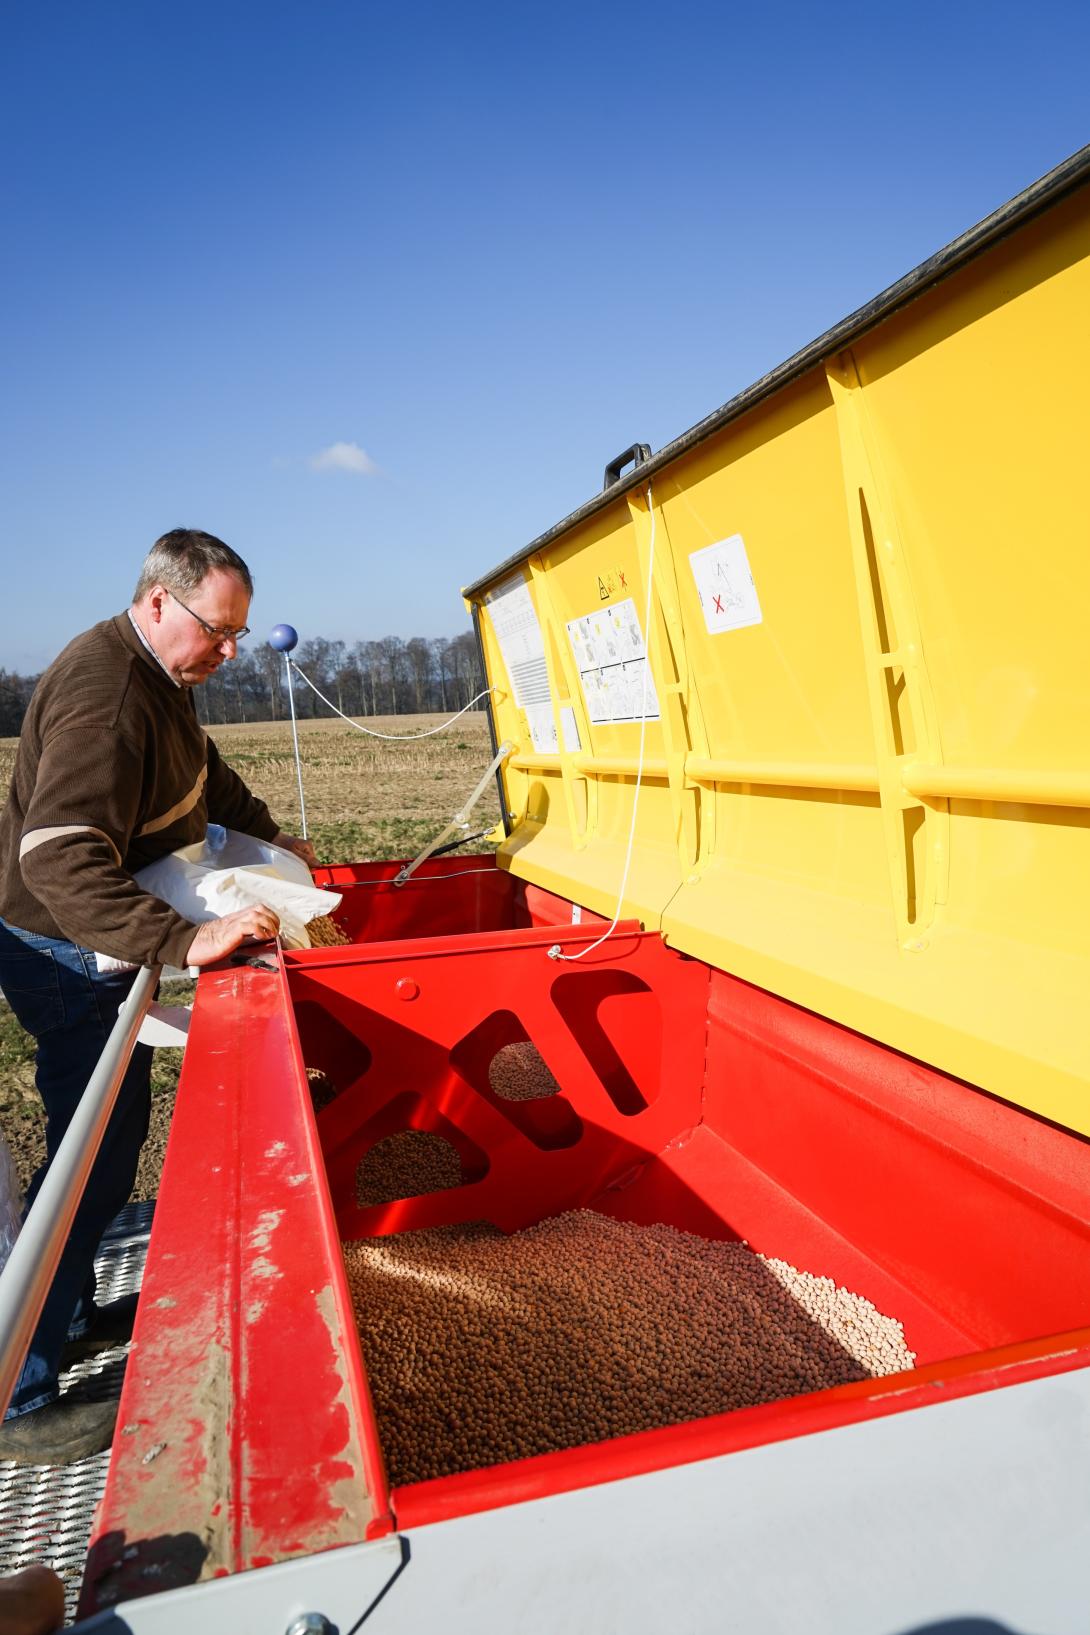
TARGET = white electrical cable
(555,951)
(295,741)
(391,737)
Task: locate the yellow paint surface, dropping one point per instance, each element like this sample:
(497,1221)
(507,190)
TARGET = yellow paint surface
(876,800)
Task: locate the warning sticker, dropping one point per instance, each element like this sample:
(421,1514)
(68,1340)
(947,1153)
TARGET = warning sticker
(519,635)
(728,596)
(611,658)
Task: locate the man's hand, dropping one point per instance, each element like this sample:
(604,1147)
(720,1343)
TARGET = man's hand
(218,938)
(301,848)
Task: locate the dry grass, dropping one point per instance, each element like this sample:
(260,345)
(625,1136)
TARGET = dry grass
(365,799)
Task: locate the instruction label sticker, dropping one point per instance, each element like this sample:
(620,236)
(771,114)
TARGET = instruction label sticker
(569,726)
(728,596)
(611,658)
(519,634)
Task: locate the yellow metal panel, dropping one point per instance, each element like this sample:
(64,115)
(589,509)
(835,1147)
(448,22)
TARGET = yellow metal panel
(571,823)
(874,796)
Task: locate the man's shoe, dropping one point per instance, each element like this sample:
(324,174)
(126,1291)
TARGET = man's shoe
(31,1600)
(58,1434)
(110,1326)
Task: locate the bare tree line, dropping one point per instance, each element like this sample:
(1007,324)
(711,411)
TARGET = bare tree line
(388,676)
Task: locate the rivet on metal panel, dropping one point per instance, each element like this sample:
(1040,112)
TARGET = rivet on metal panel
(406,988)
(310,1623)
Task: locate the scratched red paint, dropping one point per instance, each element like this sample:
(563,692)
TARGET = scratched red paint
(260,1420)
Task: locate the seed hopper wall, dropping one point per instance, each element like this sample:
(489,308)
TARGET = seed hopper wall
(841,1020)
(679,1094)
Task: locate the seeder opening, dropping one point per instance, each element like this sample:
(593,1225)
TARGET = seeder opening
(645,1107)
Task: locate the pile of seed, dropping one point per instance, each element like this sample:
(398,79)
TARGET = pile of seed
(482,1348)
(325,933)
(322,1088)
(518,1073)
(406,1164)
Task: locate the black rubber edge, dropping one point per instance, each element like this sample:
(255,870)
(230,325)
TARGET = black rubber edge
(493,740)
(1040,196)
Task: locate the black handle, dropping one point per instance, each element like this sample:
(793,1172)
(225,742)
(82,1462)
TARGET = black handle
(452,845)
(639,452)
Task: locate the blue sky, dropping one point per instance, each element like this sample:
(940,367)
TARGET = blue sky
(481,248)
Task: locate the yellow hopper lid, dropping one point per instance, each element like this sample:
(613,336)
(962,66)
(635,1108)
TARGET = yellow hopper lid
(865,779)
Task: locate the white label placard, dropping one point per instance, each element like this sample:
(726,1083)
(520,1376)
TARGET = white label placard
(612,662)
(519,635)
(542,728)
(724,583)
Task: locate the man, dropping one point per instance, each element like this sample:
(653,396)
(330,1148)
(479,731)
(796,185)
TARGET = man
(112,772)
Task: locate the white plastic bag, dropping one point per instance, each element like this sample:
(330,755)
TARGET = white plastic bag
(227,871)
(11,1202)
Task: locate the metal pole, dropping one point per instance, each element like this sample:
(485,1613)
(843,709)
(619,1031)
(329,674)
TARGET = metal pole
(25,1279)
(460,820)
(295,741)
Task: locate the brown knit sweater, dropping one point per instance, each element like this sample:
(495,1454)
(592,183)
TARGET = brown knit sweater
(112,772)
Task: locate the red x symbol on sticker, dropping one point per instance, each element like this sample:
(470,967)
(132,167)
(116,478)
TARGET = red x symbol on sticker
(718,605)
(624,581)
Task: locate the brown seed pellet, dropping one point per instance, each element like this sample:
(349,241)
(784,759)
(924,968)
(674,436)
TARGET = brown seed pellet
(482,1348)
(325,933)
(322,1088)
(406,1164)
(518,1073)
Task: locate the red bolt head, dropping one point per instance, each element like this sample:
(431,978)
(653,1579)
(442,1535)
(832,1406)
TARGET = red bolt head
(406,988)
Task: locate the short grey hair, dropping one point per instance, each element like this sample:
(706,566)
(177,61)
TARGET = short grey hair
(181,559)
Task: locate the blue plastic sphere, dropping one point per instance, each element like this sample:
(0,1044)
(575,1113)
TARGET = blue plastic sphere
(283,637)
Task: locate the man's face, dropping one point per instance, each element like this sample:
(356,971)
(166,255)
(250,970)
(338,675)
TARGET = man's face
(185,647)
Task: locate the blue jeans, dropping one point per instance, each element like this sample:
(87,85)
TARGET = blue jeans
(58,994)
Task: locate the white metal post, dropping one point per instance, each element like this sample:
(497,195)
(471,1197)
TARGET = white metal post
(295,741)
(25,1279)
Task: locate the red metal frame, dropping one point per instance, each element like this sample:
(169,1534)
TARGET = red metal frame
(979,1211)
(444,897)
(246,1433)
(433,1012)
(684,1095)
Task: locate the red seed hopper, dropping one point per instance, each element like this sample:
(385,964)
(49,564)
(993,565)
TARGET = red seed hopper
(841,1017)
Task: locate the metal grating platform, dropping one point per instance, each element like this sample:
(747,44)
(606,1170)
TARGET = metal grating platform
(46,1511)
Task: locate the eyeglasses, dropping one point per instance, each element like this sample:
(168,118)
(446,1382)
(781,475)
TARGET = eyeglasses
(214,632)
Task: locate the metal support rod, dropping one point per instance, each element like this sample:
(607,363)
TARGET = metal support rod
(25,1279)
(459,822)
(295,741)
